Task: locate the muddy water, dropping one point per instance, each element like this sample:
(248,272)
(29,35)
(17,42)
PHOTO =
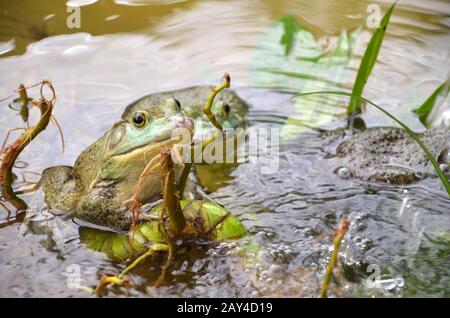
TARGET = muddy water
(125,49)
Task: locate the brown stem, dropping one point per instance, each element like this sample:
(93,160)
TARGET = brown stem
(171,199)
(341,230)
(6,175)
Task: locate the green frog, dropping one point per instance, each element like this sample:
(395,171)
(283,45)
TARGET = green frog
(96,189)
(389,155)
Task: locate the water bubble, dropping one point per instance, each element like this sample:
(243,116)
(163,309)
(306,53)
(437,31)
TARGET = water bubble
(261,235)
(275,270)
(184,266)
(198,264)
(400,282)
(264,275)
(20,164)
(344,172)
(392,283)
(387,284)
(419,175)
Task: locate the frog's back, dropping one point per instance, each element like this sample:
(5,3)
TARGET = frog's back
(192,100)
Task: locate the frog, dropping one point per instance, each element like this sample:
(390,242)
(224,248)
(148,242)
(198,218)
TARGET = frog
(104,176)
(388,154)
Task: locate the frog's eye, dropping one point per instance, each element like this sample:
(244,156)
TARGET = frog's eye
(177,102)
(226,108)
(139,119)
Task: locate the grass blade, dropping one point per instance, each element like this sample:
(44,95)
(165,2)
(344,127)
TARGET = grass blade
(368,62)
(412,134)
(425,109)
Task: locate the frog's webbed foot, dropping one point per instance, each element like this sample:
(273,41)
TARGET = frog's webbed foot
(146,211)
(202,195)
(194,190)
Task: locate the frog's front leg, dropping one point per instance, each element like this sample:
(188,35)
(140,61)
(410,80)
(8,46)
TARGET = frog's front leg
(102,206)
(61,189)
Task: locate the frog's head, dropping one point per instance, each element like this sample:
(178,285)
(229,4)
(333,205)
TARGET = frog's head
(138,139)
(145,129)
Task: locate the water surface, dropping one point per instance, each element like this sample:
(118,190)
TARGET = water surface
(126,49)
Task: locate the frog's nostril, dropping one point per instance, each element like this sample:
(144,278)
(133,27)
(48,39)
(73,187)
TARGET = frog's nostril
(183,122)
(177,102)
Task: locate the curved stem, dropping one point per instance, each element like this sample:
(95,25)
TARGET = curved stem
(6,175)
(213,119)
(209,102)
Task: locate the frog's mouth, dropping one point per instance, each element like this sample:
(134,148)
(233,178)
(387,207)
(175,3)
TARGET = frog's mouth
(150,147)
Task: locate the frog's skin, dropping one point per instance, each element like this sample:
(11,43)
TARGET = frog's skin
(105,175)
(230,109)
(390,155)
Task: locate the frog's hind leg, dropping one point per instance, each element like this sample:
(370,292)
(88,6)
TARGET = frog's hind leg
(60,188)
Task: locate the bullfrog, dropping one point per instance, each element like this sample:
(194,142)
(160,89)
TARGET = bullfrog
(105,174)
(388,154)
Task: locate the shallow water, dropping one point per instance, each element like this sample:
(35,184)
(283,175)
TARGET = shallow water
(126,49)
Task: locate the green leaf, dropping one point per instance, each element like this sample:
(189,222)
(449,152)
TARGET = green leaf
(290,27)
(425,109)
(118,246)
(229,226)
(368,62)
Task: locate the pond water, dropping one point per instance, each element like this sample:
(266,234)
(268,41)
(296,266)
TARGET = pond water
(126,49)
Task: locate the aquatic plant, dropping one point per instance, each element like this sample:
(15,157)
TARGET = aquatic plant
(8,159)
(425,109)
(340,233)
(368,62)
